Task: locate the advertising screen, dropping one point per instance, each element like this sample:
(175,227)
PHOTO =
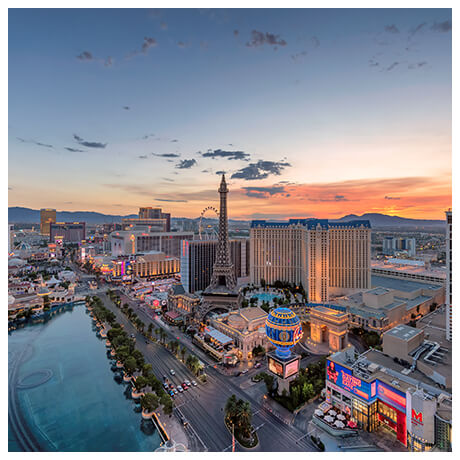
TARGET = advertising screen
(291,368)
(391,396)
(275,366)
(344,378)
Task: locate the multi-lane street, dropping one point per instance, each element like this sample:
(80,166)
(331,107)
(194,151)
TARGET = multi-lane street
(203,406)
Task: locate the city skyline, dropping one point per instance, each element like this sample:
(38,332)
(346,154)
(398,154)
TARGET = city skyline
(311,113)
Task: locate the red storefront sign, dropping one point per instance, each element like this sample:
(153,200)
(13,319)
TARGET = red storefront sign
(399,426)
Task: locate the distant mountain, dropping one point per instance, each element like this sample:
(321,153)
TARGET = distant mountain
(32,216)
(382,220)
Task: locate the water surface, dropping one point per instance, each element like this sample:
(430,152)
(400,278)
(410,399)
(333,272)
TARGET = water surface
(65,390)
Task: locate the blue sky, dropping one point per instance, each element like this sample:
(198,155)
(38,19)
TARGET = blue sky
(326,97)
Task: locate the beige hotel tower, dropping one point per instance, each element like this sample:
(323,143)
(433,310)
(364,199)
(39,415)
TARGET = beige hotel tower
(327,258)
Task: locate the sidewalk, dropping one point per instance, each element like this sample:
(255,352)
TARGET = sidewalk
(173,428)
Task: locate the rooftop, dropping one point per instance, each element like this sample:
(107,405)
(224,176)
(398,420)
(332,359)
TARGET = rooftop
(329,311)
(217,335)
(400,284)
(378,291)
(403,332)
(387,370)
(311,224)
(408,266)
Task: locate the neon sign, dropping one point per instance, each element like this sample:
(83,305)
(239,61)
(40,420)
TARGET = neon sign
(344,378)
(391,396)
(417,417)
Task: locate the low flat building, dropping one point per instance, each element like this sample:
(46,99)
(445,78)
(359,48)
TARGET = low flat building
(391,302)
(246,327)
(408,269)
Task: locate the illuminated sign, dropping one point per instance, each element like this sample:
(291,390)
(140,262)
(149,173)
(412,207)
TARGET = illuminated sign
(283,369)
(391,396)
(344,378)
(417,418)
(291,368)
(275,367)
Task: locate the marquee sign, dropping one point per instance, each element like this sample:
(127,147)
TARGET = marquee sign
(344,378)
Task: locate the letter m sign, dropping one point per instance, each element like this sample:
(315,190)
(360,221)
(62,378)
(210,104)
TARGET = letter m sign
(417,417)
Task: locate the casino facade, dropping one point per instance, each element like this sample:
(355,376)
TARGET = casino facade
(372,391)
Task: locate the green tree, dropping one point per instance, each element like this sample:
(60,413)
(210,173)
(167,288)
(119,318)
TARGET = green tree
(231,408)
(130,365)
(183,351)
(140,383)
(146,369)
(149,402)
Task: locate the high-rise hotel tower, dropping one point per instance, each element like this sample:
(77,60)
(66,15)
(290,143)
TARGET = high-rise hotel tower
(449,275)
(327,258)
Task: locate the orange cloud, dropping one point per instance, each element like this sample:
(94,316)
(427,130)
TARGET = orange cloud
(413,197)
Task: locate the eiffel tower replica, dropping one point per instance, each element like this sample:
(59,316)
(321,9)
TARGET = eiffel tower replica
(222,291)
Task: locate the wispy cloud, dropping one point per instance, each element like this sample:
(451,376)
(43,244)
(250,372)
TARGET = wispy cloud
(445,26)
(126,107)
(171,200)
(392,66)
(392,29)
(149,42)
(299,55)
(85,56)
(228,154)
(260,170)
(264,192)
(260,38)
(94,145)
(392,198)
(166,155)
(186,164)
(71,149)
(40,144)
(142,157)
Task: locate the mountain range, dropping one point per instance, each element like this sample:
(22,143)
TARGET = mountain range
(32,216)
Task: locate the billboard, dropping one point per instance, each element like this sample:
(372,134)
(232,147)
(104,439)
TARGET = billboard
(275,367)
(391,396)
(283,369)
(291,368)
(344,378)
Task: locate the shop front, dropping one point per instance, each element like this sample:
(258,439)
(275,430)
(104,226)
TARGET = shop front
(371,404)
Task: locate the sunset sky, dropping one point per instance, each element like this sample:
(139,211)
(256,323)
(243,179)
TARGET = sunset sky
(311,113)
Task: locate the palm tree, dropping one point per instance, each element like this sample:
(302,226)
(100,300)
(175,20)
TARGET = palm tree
(244,416)
(183,350)
(149,329)
(231,408)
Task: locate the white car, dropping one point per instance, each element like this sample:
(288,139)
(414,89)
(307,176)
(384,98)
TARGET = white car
(172,372)
(194,383)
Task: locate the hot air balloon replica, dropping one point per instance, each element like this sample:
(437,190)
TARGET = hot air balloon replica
(283,330)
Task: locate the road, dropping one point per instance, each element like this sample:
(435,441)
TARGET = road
(203,406)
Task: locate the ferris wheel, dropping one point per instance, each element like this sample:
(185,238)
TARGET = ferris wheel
(207,231)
